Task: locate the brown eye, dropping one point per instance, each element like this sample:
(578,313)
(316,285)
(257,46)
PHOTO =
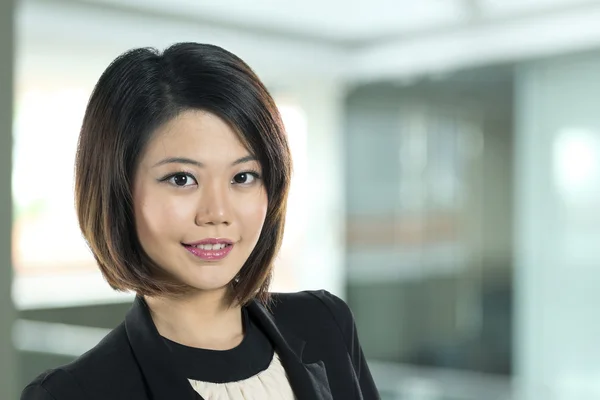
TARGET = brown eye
(181,180)
(245,178)
(240,178)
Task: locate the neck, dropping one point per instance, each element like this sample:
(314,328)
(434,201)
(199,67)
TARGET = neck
(203,319)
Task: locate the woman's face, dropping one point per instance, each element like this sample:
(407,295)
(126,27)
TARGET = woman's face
(199,200)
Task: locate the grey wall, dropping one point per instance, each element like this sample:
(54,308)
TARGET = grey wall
(417,310)
(7,359)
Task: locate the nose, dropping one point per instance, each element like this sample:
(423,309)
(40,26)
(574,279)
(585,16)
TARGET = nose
(214,206)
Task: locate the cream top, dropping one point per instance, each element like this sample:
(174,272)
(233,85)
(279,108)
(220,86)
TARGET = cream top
(270,384)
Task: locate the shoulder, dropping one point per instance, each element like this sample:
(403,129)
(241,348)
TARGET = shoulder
(54,384)
(99,370)
(314,307)
(311,299)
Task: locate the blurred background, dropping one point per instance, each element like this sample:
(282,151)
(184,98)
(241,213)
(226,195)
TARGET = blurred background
(447,179)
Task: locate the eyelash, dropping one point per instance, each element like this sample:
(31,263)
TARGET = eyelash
(252,172)
(165,179)
(179,173)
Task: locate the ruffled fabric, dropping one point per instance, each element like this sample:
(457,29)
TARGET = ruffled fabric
(270,384)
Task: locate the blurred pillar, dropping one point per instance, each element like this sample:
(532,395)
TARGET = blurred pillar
(557,229)
(8,369)
(321,265)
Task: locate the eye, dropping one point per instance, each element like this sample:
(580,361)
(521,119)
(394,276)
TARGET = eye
(181,180)
(245,178)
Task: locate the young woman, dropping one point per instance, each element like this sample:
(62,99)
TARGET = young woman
(182,176)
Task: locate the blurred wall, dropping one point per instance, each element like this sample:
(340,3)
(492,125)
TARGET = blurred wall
(8,370)
(557,232)
(320,262)
(438,275)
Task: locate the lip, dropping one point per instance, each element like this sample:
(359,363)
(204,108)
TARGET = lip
(210,255)
(210,241)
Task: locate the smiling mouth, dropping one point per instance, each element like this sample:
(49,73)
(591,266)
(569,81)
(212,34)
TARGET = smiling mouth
(216,246)
(210,252)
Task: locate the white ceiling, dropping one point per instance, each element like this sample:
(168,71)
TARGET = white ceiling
(288,42)
(327,19)
(345,20)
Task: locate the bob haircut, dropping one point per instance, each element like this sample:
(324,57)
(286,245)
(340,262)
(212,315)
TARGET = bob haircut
(138,92)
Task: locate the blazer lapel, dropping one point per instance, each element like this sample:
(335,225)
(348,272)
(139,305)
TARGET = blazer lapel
(309,380)
(164,380)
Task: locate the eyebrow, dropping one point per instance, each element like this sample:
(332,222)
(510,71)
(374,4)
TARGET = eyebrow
(189,161)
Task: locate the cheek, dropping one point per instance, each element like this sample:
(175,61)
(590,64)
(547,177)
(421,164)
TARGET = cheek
(158,216)
(252,215)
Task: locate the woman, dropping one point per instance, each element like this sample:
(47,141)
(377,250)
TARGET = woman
(182,176)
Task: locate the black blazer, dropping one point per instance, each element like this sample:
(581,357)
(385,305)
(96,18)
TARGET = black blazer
(313,332)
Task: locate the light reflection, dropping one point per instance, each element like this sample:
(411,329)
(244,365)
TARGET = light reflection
(577,165)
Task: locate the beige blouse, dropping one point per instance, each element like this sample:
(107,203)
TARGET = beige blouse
(270,384)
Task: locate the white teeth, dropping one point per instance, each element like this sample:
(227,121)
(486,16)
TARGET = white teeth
(218,246)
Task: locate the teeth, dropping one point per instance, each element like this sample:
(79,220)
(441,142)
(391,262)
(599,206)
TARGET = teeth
(218,246)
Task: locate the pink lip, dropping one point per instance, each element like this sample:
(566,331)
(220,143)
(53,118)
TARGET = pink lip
(210,241)
(210,255)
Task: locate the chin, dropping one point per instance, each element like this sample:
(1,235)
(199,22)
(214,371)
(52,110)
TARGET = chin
(203,281)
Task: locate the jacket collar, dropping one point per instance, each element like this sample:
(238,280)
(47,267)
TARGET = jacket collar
(308,380)
(165,381)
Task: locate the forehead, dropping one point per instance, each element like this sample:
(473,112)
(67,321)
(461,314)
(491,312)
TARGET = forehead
(196,134)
